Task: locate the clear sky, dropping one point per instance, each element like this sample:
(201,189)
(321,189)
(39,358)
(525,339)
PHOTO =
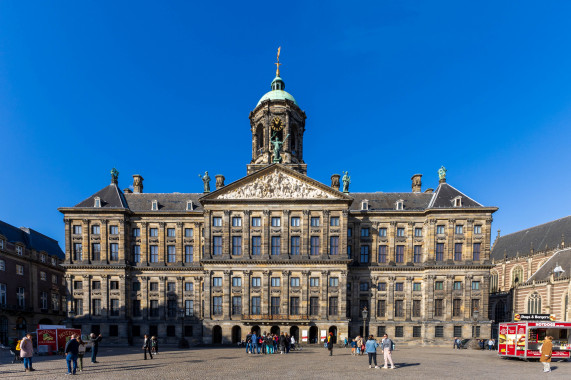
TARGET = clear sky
(390,88)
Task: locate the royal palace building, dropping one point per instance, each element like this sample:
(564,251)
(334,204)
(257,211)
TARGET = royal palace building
(278,251)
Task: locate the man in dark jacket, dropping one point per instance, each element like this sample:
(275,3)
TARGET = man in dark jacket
(95,346)
(72,352)
(147,347)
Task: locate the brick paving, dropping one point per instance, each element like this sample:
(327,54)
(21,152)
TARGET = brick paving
(311,363)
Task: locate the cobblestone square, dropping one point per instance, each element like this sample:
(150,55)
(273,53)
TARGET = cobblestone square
(310,363)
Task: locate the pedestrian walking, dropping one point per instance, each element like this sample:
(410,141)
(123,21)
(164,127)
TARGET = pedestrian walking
(147,347)
(155,345)
(95,346)
(282,343)
(72,352)
(330,343)
(27,352)
(81,353)
(387,346)
(288,343)
(371,349)
(546,351)
(490,344)
(353,348)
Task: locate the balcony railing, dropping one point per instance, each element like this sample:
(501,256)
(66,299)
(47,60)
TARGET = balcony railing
(276,317)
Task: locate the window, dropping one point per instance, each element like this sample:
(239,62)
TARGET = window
(418,232)
(237,281)
(295,221)
(77,230)
(171,232)
(334,245)
(416,286)
(114,285)
(440,230)
(458,331)
(457,202)
(399,308)
(399,205)
(96,307)
(188,286)
(333,306)
(1,243)
(155,205)
(43,276)
(399,257)
(43,258)
(477,229)
(400,232)
(256,221)
(439,331)
(97,202)
(382,253)
(171,254)
(416,308)
(95,229)
(53,261)
(77,306)
(475,331)
(314,281)
(19,269)
(334,221)
(517,275)
(275,305)
(381,308)
(457,285)
(217,305)
(44,300)
(294,282)
(438,307)
(189,308)
(77,251)
(256,245)
(363,286)
(459,229)
(314,245)
(154,308)
(217,221)
(171,329)
(382,286)
(364,205)
(114,230)
(189,205)
(417,254)
(381,330)
(458,251)
(276,222)
(294,306)
(137,253)
(534,303)
(54,279)
(171,287)
(294,245)
(475,285)
(154,286)
(383,232)
(439,251)
(217,282)
(364,259)
(313,305)
(114,247)
(188,232)
(255,305)
(136,286)
(275,245)
(333,281)
(21,295)
(188,253)
(77,285)
(349,232)
(364,232)
(439,285)
(256,282)
(349,251)
(416,332)
(399,287)
(217,245)
(114,307)
(399,331)
(95,285)
(494,283)
(275,282)
(2,294)
(236,305)
(20,250)
(475,306)
(236,221)
(2,265)
(154,232)
(96,252)
(456,307)
(476,252)
(314,221)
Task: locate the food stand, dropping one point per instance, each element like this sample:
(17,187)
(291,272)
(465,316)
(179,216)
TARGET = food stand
(523,339)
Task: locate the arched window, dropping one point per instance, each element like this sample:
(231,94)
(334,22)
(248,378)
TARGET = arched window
(534,304)
(494,283)
(500,312)
(517,276)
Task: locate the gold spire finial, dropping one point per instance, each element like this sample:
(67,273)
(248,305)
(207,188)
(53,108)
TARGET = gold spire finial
(278,63)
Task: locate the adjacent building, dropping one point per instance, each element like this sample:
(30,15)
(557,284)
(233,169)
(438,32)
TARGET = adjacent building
(32,283)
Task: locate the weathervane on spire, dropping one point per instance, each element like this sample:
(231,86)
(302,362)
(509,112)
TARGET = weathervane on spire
(278,63)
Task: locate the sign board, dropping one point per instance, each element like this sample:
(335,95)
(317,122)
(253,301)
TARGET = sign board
(534,317)
(63,335)
(47,338)
(323,335)
(304,336)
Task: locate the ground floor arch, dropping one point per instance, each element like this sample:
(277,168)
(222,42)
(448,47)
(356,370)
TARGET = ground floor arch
(333,329)
(313,334)
(256,329)
(294,332)
(217,335)
(236,334)
(275,330)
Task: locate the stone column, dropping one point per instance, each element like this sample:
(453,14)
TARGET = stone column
(226,235)
(467,296)
(468,253)
(86,295)
(485,248)
(122,243)
(197,244)
(226,301)
(343,236)
(284,235)
(162,244)
(305,225)
(246,236)
(265,292)
(323,312)
(285,292)
(266,235)
(449,299)
(391,298)
(428,297)
(207,294)
(343,295)
(123,297)
(104,241)
(392,243)
(449,251)
(247,280)
(104,296)
(485,300)
(207,237)
(179,247)
(374,234)
(144,246)
(86,254)
(68,252)
(325,235)
(408,298)
(145,307)
(409,248)
(162,296)
(430,241)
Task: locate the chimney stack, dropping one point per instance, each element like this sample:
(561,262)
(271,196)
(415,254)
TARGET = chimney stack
(335,181)
(416,183)
(127,191)
(219,181)
(137,184)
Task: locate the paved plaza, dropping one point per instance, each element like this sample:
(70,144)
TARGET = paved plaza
(311,363)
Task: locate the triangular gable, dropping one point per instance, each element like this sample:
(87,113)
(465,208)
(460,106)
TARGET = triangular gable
(276,182)
(444,195)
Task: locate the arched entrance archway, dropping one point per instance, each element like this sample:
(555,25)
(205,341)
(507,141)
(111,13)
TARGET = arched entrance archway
(275,330)
(236,334)
(256,329)
(294,331)
(313,334)
(333,329)
(217,335)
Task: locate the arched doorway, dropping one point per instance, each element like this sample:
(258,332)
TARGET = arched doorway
(217,335)
(294,331)
(313,334)
(275,330)
(45,321)
(333,329)
(236,334)
(256,329)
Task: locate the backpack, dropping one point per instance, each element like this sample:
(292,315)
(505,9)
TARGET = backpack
(392,345)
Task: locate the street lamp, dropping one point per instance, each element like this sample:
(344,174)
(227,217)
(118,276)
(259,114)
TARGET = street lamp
(365,314)
(182,343)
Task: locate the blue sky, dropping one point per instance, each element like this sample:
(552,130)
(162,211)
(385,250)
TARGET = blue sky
(390,88)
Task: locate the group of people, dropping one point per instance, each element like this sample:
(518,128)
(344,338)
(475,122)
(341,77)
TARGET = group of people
(257,343)
(150,346)
(360,346)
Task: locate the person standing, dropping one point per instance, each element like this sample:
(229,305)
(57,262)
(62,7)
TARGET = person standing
(147,347)
(81,353)
(330,343)
(546,351)
(249,343)
(27,351)
(155,345)
(371,349)
(95,346)
(255,348)
(387,347)
(72,352)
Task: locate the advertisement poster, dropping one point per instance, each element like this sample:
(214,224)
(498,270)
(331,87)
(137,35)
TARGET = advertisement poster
(323,335)
(63,335)
(511,340)
(47,337)
(520,339)
(304,336)
(502,340)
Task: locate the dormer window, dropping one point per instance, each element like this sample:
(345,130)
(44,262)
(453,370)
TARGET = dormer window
(400,204)
(97,202)
(364,205)
(457,202)
(155,205)
(189,206)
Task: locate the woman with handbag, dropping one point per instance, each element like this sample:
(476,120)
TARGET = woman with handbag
(546,351)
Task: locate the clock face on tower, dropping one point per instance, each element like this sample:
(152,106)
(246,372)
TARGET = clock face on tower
(277,124)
